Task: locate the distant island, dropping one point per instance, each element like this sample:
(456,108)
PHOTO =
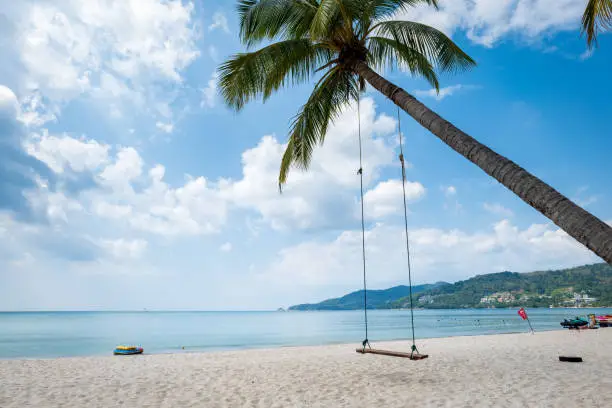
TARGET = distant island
(588,285)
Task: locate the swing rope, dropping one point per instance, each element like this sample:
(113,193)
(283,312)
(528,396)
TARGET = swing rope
(414,354)
(365,342)
(401,158)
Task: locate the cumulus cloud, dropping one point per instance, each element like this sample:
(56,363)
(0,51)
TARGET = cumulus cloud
(325,195)
(387,198)
(118,51)
(64,153)
(436,254)
(146,203)
(125,189)
(122,248)
(219,22)
(19,171)
(227,247)
(486,22)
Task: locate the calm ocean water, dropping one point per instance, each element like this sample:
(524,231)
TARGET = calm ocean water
(63,334)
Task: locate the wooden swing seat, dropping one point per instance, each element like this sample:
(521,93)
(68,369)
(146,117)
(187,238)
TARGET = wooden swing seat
(411,356)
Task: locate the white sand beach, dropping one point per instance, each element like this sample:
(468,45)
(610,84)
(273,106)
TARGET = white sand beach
(515,370)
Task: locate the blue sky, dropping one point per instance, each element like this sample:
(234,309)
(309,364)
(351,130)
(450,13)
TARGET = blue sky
(125,183)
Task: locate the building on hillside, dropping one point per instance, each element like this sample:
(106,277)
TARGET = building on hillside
(426,299)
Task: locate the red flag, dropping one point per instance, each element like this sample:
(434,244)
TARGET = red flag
(522,313)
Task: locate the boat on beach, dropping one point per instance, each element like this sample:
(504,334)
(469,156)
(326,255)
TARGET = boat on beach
(604,321)
(574,324)
(127,350)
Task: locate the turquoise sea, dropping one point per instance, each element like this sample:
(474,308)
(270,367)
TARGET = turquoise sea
(65,334)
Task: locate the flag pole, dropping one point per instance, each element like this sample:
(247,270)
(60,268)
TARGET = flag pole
(523,313)
(530,327)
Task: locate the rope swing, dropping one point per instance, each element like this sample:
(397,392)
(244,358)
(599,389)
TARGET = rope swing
(365,342)
(414,352)
(401,158)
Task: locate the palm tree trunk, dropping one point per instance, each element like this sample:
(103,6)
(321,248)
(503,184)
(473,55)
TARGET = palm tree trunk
(578,223)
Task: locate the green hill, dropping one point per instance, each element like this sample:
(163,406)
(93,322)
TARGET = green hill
(592,284)
(589,285)
(377,299)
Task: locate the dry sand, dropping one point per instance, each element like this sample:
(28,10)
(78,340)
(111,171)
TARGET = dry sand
(516,370)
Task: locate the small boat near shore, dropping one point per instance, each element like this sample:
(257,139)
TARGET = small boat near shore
(127,350)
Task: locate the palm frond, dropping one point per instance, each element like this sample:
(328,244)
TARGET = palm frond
(378,10)
(331,17)
(597,16)
(269,19)
(388,8)
(386,52)
(248,75)
(440,50)
(333,92)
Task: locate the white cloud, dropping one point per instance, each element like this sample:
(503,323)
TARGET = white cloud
(387,198)
(443,92)
(323,197)
(122,248)
(126,168)
(326,193)
(209,94)
(219,22)
(9,106)
(192,209)
(34,113)
(61,153)
(55,205)
(486,22)
(450,191)
(165,127)
(227,247)
(498,209)
(111,211)
(124,194)
(113,50)
(436,254)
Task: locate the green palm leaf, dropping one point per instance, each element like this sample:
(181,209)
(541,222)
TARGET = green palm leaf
(373,11)
(331,94)
(387,8)
(249,75)
(597,16)
(440,50)
(269,19)
(386,53)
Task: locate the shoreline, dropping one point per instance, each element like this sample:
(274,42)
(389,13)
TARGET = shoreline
(273,348)
(475,371)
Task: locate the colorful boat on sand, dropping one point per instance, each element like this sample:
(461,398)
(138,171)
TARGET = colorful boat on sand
(127,350)
(604,321)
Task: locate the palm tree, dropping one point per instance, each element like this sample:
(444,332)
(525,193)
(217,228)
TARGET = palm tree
(597,16)
(345,41)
